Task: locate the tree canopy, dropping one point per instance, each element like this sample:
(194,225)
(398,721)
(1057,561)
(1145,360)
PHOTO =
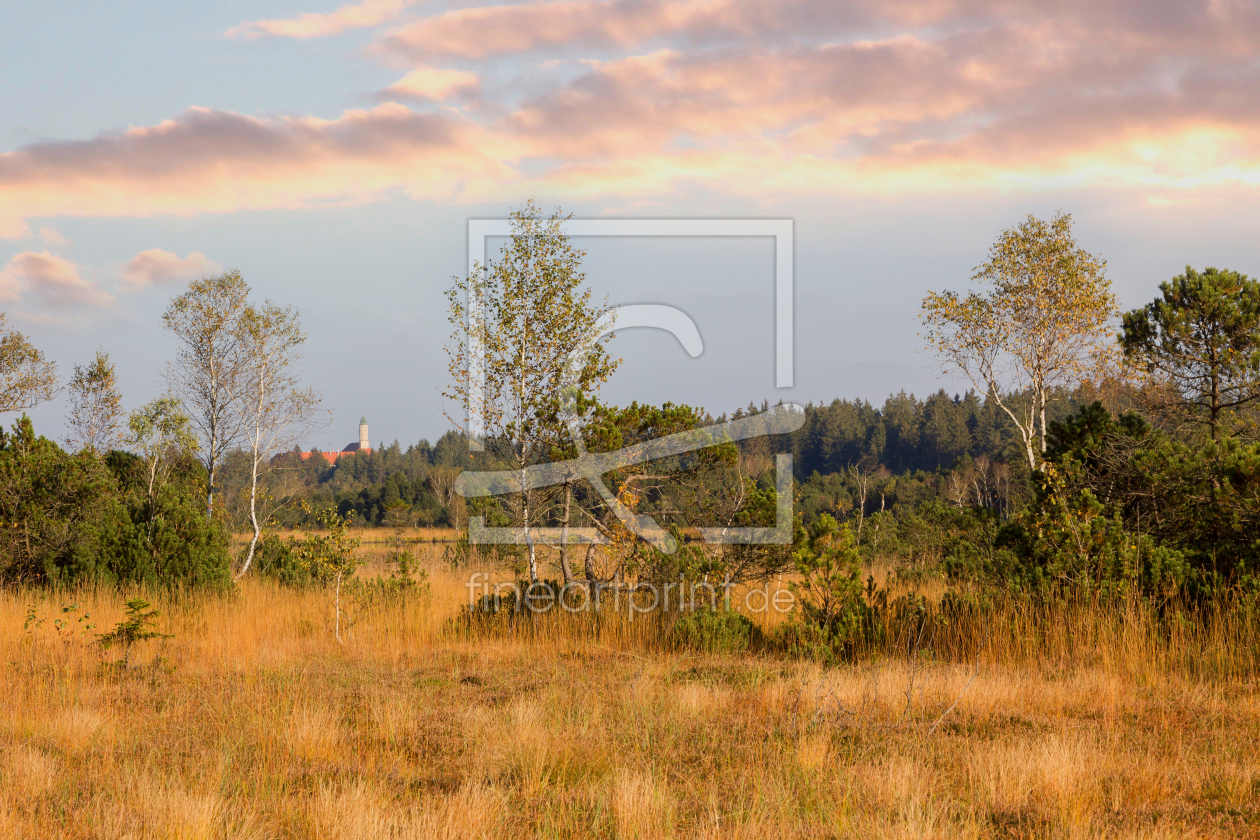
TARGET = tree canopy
(1201,335)
(1041,326)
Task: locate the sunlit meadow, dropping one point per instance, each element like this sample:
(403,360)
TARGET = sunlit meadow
(252,721)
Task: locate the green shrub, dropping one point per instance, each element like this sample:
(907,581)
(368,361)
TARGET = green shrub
(166,542)
(53,506)
(275,559)
(830,616)
(74,518)
(136,627)
(403,584)
(716,631)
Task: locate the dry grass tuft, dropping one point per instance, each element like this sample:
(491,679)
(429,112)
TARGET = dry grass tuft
(642,809)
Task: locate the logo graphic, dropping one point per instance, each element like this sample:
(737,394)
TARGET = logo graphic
(591,467)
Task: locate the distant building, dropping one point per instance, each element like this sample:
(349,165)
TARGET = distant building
(361,446)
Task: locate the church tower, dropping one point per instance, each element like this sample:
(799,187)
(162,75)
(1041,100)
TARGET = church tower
(363,434)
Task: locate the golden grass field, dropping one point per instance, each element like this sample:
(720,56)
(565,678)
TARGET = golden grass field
(251,721)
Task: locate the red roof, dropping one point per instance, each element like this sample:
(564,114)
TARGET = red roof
(332,456)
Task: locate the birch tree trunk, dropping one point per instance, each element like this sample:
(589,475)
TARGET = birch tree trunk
(277,410)
(565,568)
(255,455)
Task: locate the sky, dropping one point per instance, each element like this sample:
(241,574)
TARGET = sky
(334,155)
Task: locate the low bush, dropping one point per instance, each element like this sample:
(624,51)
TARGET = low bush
(716,631)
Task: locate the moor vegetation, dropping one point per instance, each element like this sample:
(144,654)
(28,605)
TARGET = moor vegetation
(1028,610)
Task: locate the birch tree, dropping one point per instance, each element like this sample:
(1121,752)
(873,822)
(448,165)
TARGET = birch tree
(26,377)
(517,320)
(208,374)
(276,411)
(1042,324)
(96,412)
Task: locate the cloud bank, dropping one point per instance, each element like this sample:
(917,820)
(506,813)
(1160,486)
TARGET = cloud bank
(218,161)
(640,98)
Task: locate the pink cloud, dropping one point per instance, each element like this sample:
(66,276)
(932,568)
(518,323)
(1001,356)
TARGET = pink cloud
(217,161)
(54,281)
(315,25)
(434,83)
(156,267)
(13,227)
(871,100)
(504,29)
(636,98)
(484,31)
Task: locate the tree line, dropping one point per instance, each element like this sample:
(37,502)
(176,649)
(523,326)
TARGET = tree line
(385,487)
(1095,447)
(906,436)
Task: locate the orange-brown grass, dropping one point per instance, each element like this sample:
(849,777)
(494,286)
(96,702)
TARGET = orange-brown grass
(372,536)
(253,722)
(410,536)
